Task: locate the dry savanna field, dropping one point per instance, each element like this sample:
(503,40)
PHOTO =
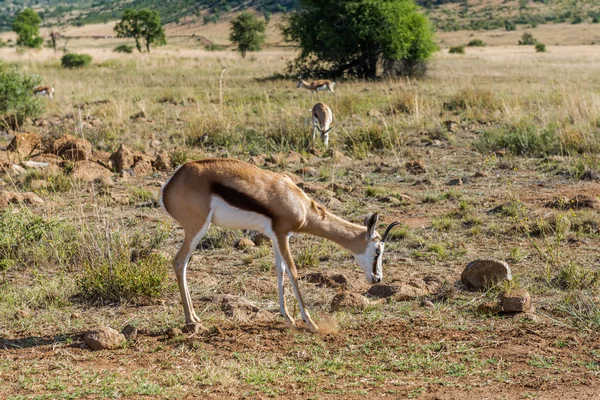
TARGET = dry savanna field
(493,155)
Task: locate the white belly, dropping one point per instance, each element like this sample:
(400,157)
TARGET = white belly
(321,88)
(227,216)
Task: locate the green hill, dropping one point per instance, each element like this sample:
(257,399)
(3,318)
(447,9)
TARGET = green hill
(446,15)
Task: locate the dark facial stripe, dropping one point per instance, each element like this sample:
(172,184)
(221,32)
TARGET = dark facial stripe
(375,266)
(239,200)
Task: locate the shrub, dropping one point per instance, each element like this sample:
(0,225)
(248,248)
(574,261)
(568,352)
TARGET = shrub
(476,43)
(214,47)
(527,39)
(123,48)
(72,60)
(457,49)
(16,100)
(540,47)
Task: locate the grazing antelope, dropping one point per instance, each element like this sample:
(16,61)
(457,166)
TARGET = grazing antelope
(317,86)
(322,119)
(233,194)
(43,91)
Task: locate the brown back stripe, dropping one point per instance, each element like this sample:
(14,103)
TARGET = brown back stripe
(239,200)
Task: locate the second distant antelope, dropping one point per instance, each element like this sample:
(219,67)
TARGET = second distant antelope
(44,91)
(322,118)
(317,86)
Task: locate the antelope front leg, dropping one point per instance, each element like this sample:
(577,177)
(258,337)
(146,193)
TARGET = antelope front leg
(280,266)
(293,274)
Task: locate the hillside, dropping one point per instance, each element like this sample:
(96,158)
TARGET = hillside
(446,15)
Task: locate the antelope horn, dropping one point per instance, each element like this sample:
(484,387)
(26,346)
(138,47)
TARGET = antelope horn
(388,229)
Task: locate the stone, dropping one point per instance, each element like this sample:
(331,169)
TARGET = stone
(130,332)
(138,116)
(347,301)
(20,314)
(89,171)
(295,158)
(307,171)
(239,308)
(72,148)
(382,290)
(427,303)
(456,182)
(261,238)
(104,338)
(518,300)
(35,164)
(578,202)
(489,308)
(451,126)
(51,159)
(122,158)
(16,170)
(416,167)
(480,174)
(25,143)
(481,274)
(162,162)
(7,198)
(174,332)
(257,160)
(244,243)
(32,199)
(142,167)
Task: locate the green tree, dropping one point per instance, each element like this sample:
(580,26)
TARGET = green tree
(17,102)
(27,27)
(247,32)
(351,37)
(142,25)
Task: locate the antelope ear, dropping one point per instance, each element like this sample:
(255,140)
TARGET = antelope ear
(371,223)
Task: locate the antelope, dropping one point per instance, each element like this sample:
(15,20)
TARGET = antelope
(322,118)
(233,194)
(317,86)
(43,91)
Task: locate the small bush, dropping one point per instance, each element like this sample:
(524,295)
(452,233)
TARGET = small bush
(16,100)
(72,60)
(527,40)
(123,48)
(457,50)
(540,48)
(476,43)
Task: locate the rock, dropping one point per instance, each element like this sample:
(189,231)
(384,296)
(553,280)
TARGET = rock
(484,273)
(416,167)
(261,238)
(174,332)
(337,155)
(35,164)
(307,171)
(89,171)
(339,187)
(451,126)
(518,300)
(32,199)
(39,184)
(257,160)
(348,301)
(244,243)
(576,203)
(142,166)
(7,198)
(25,144)
(130,332)
(240,308)
(323,280)
(138,116)
(5,160)
(456,182)
(123,158)
(480,174)
(72,148)
(51,159)
(16,170)
(489,307)
(382,290)
(162,162)
(310,188)
(20,314)
(427,304)
(295,158)
(104,338)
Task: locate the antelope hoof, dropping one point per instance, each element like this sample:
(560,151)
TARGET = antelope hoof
(313,327)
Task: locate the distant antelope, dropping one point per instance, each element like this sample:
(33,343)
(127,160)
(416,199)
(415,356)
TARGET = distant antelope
(44,91)
(317,86)
(322,118)
(233,194)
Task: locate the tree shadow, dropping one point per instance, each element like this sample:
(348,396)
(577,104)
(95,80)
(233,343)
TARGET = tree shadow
(70,339)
